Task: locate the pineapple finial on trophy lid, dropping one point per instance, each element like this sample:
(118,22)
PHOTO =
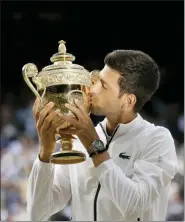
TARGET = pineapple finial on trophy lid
(62,55)
(62,47)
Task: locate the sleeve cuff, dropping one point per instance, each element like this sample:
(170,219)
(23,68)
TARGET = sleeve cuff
(45,168)
(104,167)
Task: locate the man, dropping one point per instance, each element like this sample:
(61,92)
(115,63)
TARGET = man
(130,162)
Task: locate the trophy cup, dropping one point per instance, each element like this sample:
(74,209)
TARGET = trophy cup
(62,82)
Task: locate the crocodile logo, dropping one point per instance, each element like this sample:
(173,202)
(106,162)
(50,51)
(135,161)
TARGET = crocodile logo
(124,156)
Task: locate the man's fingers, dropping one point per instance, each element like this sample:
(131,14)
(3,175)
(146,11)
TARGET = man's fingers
(44,113)
(47,123)
(80,106)
(57,123)
(77,112)
(37,116)
(35,108)
(69,119)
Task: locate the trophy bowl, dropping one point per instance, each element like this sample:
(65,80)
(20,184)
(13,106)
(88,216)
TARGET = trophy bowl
(62,82)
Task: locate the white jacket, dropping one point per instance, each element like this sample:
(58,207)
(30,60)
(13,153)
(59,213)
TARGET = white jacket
(133,186)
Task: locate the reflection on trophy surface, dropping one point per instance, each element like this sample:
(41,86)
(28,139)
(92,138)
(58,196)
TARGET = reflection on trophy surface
(62,82)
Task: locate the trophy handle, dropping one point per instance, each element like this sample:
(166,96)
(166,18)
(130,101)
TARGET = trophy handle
(75,94)
(95,76)
(30,70)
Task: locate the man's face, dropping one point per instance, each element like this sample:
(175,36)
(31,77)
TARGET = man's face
(105,93)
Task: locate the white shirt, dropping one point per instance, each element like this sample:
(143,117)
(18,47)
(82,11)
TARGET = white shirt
(130,188)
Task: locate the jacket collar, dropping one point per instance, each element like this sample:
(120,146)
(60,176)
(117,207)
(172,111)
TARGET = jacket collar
(125,128)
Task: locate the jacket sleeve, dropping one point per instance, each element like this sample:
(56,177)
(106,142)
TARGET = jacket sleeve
(48,190)
(155,168)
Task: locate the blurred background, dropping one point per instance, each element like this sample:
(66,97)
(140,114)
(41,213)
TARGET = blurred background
(30,33)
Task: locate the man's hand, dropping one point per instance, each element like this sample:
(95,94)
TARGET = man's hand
(82,125)
(47,121)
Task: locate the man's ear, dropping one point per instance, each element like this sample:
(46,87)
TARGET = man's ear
(128,100)
(132,100)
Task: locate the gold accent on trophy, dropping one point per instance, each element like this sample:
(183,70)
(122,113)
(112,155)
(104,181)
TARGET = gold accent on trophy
(62,82)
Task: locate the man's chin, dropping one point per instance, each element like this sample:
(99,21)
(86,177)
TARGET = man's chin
(97,112)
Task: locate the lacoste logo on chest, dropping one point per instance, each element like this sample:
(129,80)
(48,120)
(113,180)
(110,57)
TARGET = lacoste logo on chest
(124,156)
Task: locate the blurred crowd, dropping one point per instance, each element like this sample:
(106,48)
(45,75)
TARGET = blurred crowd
(19,148)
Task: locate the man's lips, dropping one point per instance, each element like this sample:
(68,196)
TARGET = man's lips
(92,99)
(91,102)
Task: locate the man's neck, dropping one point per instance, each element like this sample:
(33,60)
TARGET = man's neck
(112,122)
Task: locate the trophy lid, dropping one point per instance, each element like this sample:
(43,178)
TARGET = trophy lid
(62,54)
(63,71)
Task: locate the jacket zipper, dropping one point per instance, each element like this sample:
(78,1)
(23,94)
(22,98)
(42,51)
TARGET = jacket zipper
(99,185)
(95,201)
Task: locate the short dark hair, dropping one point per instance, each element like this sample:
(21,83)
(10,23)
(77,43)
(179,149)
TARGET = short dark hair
(140,75)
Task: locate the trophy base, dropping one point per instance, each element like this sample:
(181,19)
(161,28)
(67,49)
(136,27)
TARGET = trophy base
(67,157)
